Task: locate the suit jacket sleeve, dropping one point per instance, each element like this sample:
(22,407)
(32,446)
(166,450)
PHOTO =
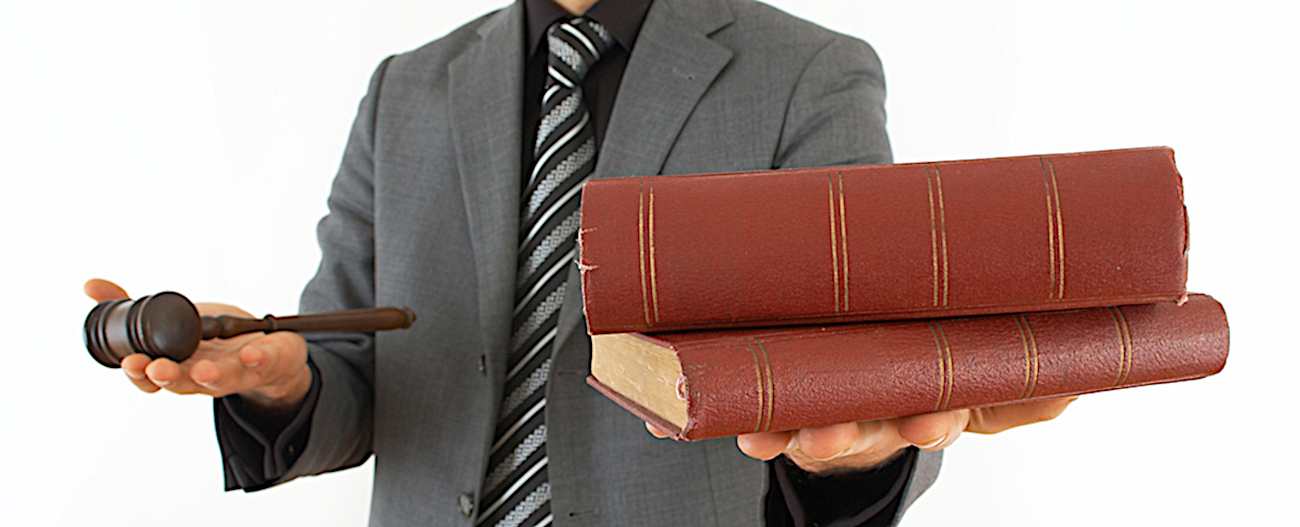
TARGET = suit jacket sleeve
(340,420)
(836,116)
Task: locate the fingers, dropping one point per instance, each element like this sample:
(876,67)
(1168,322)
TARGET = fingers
(250,365)
(821,443)
(998,418)
(221,377)
(236,371)
(270,368)
(133,365)
(764,445)
(655,431)
(934,431)
(170,376)
(829,442)
(865,444)
(217,375)
(827,449)
(102,290)
(274,355)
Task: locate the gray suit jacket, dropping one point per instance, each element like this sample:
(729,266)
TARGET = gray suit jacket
(424,213)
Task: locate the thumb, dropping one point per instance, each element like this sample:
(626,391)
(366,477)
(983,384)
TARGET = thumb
(102,290)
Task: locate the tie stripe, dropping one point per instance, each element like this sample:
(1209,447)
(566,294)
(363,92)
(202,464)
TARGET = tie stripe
(531,323)
(579,128)
(560,234)
(528,357)
(516,490)
(554,117)
(517,456)
(567,55)
(545,187)
(550,271)
(568,200)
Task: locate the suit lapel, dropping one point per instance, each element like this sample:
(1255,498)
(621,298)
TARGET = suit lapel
(673,63)
(485,87)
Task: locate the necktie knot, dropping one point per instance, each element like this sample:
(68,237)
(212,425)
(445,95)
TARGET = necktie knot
(575,45)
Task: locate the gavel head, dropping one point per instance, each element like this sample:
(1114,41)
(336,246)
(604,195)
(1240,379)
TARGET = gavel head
(162,325)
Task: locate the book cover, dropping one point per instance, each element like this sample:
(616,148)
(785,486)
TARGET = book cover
(704,384)
(880,242)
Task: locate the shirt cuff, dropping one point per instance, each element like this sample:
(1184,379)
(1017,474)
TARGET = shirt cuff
(797,498)
(257,453)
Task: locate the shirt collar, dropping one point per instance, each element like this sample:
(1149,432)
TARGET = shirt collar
(622,18)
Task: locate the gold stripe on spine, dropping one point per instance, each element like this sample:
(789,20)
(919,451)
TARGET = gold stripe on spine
(1033,348)
(943,234)
(934,237)
(835,259)
(767,368)
(1060,236)
(654,285)
(758,375)
(943,376)
(1123,348)
(640,245)
(1051,229)
(844,243)
(1128,341)
(947,357)
(1024,343)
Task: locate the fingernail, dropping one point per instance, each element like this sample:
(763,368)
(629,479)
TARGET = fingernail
(134,375)
(162,383)
(935,443)
(254,364)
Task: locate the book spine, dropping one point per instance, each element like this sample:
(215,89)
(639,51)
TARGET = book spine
(882,242)
(755,381)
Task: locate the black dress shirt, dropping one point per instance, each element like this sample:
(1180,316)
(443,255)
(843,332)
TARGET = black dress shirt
(257,452)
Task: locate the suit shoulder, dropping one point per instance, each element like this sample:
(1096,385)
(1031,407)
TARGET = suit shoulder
(432,58)
(765,25)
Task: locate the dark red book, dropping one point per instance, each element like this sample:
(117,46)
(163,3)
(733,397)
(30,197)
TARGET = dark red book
(883,242)
(698,385)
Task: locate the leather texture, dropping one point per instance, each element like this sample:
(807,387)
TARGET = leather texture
(424,213)
(856,243)
(743,381)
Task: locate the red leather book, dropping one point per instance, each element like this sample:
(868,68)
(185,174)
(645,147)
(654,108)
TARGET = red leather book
(881,242)
(698,385)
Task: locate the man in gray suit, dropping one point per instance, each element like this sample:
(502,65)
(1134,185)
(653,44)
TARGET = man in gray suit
(425,212)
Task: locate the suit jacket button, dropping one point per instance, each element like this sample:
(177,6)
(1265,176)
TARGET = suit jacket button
(466,504)
(482,365)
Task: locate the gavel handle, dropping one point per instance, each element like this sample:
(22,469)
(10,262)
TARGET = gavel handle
(364,320)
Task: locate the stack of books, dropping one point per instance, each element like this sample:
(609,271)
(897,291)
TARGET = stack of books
(725,304)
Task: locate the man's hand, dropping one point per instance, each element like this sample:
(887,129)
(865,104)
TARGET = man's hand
(269,371)
(865,444)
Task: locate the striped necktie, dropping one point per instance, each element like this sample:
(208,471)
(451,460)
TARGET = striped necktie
(516,490)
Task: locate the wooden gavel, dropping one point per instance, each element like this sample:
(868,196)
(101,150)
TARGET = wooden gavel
(168,325)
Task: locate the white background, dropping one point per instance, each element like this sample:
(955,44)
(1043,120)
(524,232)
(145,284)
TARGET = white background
(186,145)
